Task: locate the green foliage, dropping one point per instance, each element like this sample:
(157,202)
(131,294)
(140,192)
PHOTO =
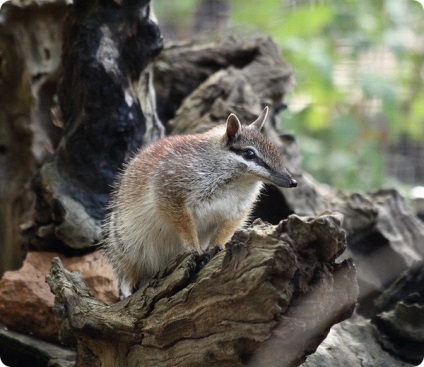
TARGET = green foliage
(359,67)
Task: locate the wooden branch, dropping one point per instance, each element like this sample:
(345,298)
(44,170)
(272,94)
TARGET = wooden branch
(227,311)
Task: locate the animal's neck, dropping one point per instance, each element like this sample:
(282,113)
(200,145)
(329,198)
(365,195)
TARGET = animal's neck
(228,188)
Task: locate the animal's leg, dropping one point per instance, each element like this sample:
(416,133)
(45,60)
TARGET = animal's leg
(224,233)
(183,224)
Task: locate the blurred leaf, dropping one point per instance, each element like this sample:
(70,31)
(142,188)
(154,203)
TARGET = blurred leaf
(345,130)
(318,117)
(415,126)
(304,20)
(256,13)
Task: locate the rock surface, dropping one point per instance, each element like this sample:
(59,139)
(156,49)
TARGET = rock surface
(26,303)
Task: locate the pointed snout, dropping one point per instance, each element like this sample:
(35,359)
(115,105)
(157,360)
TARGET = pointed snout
(283,179)
(293,183)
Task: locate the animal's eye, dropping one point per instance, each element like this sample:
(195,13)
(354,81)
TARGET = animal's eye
(249,154)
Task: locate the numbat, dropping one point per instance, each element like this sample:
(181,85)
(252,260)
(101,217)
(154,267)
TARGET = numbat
(188,193)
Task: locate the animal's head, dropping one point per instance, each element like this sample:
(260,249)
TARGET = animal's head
(261,158)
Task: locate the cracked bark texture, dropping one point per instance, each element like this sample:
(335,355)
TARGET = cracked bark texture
(242,308)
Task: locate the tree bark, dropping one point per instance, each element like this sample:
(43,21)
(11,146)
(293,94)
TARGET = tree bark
(268,299)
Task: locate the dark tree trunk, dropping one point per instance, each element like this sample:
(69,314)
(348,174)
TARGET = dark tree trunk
(107,109)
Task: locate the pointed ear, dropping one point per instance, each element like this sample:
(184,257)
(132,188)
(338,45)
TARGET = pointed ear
(259,122)
(233,127)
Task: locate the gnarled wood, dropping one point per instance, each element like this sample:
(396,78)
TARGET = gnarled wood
(247,304)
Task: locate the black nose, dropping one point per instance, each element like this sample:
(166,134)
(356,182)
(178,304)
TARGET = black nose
(293,183)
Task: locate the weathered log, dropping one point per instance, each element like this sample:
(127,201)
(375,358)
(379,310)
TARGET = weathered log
(384,238)
(181,68)
(393,337)
(268,299)
(107,108)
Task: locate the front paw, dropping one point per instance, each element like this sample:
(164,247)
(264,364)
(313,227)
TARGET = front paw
(211,252)
(194,249)
(216,248)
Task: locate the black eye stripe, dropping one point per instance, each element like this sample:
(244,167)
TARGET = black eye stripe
(256,159)
(249,154)
(241,150)
(245,151)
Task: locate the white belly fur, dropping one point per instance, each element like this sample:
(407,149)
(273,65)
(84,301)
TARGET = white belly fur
(231,204)
(151,241)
